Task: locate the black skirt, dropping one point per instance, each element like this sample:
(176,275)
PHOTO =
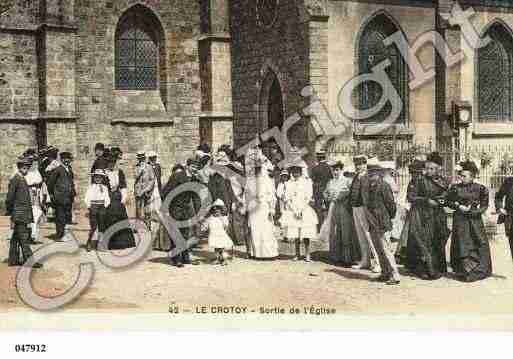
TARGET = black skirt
(115,213)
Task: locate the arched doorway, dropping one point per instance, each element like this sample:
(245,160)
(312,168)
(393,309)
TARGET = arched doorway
(275,106)
(271,112)
(271,103)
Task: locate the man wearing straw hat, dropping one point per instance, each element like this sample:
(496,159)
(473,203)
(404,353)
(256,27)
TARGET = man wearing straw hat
(359,200)
(381,209)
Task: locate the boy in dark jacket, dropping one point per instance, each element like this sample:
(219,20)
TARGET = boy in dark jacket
(19,207)
(381,210)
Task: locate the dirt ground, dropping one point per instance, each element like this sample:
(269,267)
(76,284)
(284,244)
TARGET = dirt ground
(153,285)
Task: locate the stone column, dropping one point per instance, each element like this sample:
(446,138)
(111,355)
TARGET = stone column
(57,36)
(319,124)
(216,123)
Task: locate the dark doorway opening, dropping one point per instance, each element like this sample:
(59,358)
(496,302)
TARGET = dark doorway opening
(275,106)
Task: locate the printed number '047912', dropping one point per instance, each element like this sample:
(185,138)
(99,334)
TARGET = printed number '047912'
(30,348)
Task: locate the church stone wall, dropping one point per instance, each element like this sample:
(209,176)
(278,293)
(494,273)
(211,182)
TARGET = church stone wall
(256,50)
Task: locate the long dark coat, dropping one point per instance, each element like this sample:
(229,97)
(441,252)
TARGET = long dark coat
(428,230)
(181,207)
(221,188)
(359,191)
(100,163)
(470,250)
(17,202)
(381,207)
(61,186)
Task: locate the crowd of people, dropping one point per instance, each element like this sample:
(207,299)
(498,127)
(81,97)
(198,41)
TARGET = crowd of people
(355,208)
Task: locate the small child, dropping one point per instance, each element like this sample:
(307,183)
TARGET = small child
(97,200)
(217,224)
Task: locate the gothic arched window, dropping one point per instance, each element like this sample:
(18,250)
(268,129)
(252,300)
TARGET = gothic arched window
(371,52)
(494,63)
(137,50)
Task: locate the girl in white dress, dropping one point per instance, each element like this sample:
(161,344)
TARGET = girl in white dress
(303,221)
(217,225)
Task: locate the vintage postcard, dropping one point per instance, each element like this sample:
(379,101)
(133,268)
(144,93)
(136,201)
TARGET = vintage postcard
(256,164)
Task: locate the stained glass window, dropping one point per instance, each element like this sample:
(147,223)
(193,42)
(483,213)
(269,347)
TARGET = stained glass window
(494,76)
(373,51)
(137,53)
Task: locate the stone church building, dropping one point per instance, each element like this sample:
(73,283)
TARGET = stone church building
(166,75)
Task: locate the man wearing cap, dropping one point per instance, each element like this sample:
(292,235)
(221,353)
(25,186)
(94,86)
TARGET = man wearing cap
(143,188)
(61,187)
(19,208)
(320,174)
(359,200)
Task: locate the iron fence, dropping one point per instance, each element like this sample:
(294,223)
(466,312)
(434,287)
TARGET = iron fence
(495,162)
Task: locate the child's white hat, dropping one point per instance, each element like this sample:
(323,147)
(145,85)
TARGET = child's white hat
(98,172)
(218,203)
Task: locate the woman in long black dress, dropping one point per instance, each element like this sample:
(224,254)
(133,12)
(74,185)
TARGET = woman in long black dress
(427,231)
(117,212)
(470,250)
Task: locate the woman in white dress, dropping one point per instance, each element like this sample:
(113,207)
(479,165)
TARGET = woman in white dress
(303,221)
(259,203)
